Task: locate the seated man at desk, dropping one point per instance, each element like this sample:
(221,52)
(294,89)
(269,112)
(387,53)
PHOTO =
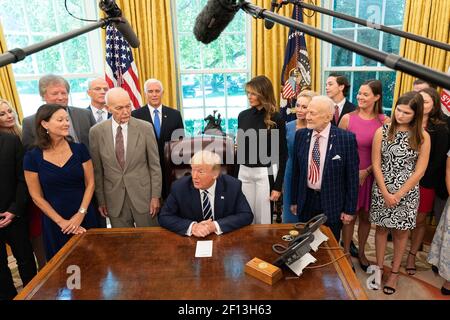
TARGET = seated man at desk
(205,202)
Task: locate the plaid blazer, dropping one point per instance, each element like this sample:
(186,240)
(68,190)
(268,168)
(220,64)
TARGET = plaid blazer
(340,179)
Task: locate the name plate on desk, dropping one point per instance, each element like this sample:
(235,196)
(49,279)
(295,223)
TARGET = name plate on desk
(263,271)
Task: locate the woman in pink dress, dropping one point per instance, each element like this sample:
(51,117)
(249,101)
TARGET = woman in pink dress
(363,122)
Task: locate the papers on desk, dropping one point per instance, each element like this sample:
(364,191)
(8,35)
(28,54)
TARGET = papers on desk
(319,237)
(301,264)
(204,249)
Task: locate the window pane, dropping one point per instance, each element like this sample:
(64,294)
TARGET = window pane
(339,56)
(78,95)
(235,51)
(188,9)
(371,10)
(77,61)
(192,90)
(236,89)
(347,7)
(212,54)
(232,120)
(189,54)
(193,119)
(371,38)
(29,96)
(39,16)
(394,17)
(13,19)
(391,43)
(388,80)
(214,90)
(48,60)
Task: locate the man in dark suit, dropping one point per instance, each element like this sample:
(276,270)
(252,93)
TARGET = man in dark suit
(337,88)
(325,172)
(166,121)
(13,223)
(55,89)
(97,89)
(205,202)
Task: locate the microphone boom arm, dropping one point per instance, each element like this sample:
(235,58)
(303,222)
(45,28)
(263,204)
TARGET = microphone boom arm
(17,54)
(392,61)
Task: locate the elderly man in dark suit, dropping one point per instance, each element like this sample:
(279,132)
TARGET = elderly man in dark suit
(206,202)
(13,223)
(55,89)
(325,173)
(166,121)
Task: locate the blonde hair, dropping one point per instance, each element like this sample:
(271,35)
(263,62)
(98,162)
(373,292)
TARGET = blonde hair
(207,157)
(17,128)
(307,94)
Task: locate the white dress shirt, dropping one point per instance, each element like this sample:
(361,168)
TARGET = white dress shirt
(323,143)
(341,106)
(124,126)
(211,195)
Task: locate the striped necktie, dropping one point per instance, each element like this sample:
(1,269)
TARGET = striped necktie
(207,210)
(314,167)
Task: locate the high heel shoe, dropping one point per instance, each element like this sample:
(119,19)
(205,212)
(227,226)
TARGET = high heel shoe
(390,290)
(411,271)
(363,266)
(435,269)
(445,291)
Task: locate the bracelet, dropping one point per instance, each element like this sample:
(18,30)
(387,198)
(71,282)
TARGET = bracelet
(82,210)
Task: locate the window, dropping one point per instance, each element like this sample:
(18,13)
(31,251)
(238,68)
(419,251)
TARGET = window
(355,67)
(27,22)
(212,77)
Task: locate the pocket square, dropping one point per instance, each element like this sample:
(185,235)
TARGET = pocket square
(336,157)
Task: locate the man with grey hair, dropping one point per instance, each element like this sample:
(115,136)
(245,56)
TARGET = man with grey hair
(54,89)
(97,89)
(166,121)
(325,168)
(126,165)
(206,202)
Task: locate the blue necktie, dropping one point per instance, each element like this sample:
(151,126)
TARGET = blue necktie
(207,210)
(157,123)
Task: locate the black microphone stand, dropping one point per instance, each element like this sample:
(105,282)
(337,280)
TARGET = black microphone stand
(17,54)
(392,61)
(400,33)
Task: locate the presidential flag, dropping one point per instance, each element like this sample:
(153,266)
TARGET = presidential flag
(120,69)
(296,73)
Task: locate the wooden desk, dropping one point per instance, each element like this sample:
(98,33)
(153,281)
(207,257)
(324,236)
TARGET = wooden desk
(153,263)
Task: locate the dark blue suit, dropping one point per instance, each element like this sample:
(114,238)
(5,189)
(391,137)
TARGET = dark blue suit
(340,179)
(182,207)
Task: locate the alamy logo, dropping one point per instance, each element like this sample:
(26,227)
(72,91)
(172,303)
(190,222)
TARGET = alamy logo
(74,280)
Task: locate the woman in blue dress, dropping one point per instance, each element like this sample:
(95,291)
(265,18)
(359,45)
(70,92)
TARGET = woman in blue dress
(60,179)
(303,100)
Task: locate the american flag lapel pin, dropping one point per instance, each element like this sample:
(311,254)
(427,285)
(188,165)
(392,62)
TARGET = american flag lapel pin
(222,197)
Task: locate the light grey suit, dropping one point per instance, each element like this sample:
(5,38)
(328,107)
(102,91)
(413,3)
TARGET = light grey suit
(82,120)
(139,181)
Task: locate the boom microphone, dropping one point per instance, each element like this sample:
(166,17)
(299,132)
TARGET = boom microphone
(113,11)
(274,4)
(213,19)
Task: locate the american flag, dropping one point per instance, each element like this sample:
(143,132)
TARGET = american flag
(120,69)
(445,99)
(296,57)
(314,166)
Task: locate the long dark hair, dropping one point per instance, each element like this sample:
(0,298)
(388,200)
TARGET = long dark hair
(264,89)
(44,113)
(415,101)
(377,89)
(436,116)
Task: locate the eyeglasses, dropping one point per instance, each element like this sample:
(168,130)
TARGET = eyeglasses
(100,89)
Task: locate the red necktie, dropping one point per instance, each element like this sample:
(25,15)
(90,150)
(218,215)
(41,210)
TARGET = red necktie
(120,149)
(336,114)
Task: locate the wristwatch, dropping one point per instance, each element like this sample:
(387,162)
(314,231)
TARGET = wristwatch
(82,210)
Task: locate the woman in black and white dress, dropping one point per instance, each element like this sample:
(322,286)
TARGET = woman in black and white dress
(400,155)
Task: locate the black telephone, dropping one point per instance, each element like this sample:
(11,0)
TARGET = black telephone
(309,227)
(294,251)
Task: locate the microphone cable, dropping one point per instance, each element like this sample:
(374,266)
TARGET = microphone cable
(77,18)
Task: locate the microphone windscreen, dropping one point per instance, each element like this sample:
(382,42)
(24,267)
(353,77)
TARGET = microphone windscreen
(124,27)
(268,24)
(213,19)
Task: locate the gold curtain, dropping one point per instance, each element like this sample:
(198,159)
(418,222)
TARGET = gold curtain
(155,58)
(430,19)
(268,47)
(8,89)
